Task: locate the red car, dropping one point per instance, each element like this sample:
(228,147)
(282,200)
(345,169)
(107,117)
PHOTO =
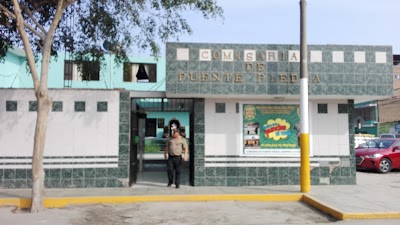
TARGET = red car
(382,155)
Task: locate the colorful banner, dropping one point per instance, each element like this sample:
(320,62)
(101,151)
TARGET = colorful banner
(271,129)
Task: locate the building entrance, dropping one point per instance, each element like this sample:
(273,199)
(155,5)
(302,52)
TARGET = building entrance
(151,122)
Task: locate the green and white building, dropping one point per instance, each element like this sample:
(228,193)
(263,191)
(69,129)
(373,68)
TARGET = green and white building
(238,105)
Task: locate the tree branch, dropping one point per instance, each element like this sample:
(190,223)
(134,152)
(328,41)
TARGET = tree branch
(27,45)
(13,16)
(61,6)
(33,19)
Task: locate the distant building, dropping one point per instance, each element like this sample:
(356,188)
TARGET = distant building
(381,115)
(389,109)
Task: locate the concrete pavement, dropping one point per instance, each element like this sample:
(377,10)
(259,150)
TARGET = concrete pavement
(374,196)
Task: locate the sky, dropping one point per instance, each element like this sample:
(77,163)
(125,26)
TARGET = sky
(353,22)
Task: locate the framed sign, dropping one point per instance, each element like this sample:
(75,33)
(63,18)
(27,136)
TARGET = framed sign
(271,130)
(160,123)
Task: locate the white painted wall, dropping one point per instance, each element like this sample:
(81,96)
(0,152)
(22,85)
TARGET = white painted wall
(69,133)
(329,135)
(329,132)
(222,130)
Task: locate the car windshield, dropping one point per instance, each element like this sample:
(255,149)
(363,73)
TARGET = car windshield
(378,143)
(387,136)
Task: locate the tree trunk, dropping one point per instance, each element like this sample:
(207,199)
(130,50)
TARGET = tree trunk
(38,175)
(41,92)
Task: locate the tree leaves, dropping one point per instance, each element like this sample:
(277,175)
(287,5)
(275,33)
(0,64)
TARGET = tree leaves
(129,25)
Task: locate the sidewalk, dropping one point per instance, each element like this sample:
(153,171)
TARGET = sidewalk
(372,197)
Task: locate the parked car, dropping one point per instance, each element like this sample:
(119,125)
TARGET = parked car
(390,136)
(381,154)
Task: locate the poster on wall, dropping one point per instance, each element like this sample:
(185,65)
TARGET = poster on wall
(271,130)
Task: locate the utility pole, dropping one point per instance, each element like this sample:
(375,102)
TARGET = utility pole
(304,128)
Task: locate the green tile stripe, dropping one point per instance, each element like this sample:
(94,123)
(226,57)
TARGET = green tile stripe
(65,177)
(124,137)
(199,106)
(69,160)
(62,157)
(352,157)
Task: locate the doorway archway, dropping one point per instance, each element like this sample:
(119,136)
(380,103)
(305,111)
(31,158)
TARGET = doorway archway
(150,119)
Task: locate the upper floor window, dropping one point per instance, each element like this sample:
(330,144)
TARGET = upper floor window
(140,72)
(87,70)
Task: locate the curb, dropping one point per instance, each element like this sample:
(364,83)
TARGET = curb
(64,201)
(329,210)
(319,205)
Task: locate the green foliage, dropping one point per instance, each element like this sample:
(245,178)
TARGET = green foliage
(154,146)
(384,128)
(124,26)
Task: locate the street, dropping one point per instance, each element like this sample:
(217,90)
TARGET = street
(195,213)
(222,212)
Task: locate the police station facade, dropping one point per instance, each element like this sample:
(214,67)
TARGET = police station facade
(247,108)
(241,108)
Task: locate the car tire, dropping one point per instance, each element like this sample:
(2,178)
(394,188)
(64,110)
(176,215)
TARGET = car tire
(385,166)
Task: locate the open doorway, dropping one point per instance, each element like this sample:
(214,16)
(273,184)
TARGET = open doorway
(150,129)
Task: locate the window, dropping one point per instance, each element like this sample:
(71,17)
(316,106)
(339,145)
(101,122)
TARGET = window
(33,106)
(322,108)
(151,127)
(57,106)
(80,106)
(87,70)
(11,106)
(342,108)
(220,107)
(102,106)
(161,122)
(140,72)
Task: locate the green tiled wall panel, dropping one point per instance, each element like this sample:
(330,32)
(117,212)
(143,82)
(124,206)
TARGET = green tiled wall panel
(262,176)
(365,74)
(204,176)
(81,177)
